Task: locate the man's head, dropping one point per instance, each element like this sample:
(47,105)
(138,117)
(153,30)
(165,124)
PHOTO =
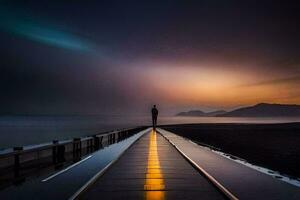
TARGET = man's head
(154,106)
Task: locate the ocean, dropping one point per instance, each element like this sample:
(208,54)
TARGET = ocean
(29,130)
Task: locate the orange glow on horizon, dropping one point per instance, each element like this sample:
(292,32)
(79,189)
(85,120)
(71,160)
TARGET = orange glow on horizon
(211,87)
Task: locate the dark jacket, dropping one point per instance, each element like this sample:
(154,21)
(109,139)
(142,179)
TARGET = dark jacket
(154,112)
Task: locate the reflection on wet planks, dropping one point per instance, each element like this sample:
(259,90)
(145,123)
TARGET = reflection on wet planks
(154,184)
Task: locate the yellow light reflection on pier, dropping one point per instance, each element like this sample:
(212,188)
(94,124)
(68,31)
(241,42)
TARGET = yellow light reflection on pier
(154,184)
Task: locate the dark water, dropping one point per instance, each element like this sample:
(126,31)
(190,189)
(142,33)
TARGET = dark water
(26,130)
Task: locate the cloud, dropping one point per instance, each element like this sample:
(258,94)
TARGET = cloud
(289,80)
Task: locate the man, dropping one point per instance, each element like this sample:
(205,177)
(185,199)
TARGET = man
(154,116)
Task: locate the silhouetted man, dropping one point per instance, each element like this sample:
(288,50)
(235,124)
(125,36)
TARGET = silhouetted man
(154,116)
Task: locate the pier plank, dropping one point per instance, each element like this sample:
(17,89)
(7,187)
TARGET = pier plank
(152,169)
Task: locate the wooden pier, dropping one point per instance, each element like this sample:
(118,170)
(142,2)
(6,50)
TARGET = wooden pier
(152,169)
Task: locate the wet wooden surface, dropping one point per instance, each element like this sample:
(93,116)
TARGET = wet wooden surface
(152,169)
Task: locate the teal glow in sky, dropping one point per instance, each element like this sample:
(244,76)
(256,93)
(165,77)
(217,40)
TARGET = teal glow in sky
(42,33)
(51,37)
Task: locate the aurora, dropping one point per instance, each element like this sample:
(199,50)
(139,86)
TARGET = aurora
(34,30)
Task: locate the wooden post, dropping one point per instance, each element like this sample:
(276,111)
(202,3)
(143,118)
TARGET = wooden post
(96,142)
(76,149)
(114,137)
(60,154)
(54,151)
(17,151)
(76,144)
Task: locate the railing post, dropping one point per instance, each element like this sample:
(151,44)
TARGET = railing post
(17,151)
(96,142)
(119,136)
(76,148)
(90,145)
(54,151)
(61,153)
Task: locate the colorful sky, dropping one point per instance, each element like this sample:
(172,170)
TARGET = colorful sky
(120,57)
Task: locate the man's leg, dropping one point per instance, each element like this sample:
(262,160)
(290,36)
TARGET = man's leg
(153,123)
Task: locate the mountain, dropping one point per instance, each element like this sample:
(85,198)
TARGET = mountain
(191,113)
(265,110)
(215,113)
(199,113)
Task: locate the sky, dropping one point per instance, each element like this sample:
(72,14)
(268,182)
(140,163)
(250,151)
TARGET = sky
(121,57)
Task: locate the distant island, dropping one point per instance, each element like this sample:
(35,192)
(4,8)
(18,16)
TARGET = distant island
(199,113)
(258,110)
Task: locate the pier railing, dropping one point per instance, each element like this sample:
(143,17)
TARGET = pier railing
(59,151)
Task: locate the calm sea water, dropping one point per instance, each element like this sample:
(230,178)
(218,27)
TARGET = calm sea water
(25,130)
